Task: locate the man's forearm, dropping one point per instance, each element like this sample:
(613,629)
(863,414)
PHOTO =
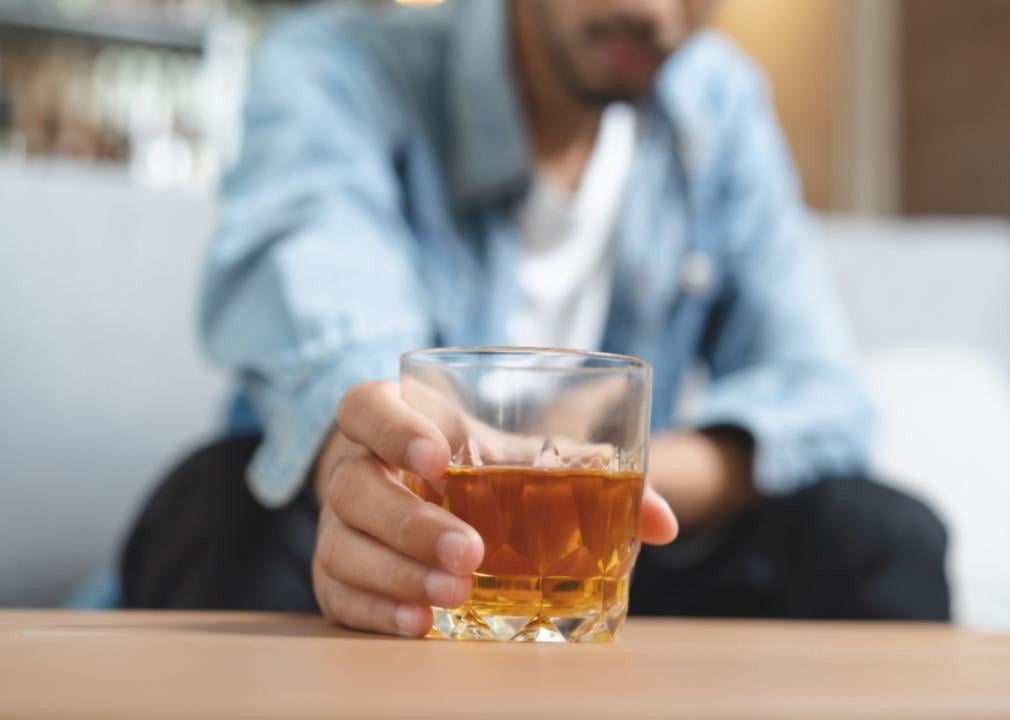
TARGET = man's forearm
(705,476)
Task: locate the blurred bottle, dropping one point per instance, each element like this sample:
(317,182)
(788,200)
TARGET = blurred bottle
(126,87)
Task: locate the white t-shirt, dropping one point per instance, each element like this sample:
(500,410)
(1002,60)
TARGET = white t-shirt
(565,269)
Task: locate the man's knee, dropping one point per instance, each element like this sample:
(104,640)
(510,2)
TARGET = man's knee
(877,519)
(223,462)
(202,500)
(875,552)
(887,549)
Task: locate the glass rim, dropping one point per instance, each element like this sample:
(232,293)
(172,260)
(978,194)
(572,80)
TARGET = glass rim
(614,362)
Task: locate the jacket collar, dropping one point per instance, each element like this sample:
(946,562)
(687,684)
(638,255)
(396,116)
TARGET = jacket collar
(490,151)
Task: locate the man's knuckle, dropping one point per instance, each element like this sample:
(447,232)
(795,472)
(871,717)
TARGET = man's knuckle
(322,547)
(319,589)
(343,479)
(332,601)
(345,406)
(405,524)
(372,608)
(353,400)
(387,433)
(327,546)
(390,573)
(345,614)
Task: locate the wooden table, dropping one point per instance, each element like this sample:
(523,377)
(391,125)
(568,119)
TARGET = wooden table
(179,665)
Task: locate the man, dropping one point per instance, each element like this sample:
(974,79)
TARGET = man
(587,173)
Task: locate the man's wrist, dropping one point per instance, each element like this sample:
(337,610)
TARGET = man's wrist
(705,474)
(735,447)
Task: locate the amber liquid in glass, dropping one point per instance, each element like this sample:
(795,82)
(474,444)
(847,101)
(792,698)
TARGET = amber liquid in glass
(559,545)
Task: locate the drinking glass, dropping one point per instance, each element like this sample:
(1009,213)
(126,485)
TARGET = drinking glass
(549,452)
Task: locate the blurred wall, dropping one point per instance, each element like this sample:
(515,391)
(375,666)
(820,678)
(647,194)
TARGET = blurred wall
(956,78)
(890,106)
(797,42)
(834,70)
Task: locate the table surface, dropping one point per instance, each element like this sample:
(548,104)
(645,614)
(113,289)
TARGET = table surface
(56,664)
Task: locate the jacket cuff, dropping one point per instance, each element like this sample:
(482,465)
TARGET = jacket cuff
(296,422)
(791,448)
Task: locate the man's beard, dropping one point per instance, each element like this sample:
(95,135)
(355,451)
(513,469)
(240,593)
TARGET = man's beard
(566,65)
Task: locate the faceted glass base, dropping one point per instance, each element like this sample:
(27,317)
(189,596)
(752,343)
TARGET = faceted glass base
(559,546)
(598,618)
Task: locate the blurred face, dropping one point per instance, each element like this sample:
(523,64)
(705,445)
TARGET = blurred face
(609,50)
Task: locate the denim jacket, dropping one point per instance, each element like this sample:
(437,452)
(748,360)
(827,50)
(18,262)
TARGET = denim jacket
(373,210)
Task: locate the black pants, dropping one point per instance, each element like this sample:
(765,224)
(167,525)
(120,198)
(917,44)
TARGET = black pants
(843,548)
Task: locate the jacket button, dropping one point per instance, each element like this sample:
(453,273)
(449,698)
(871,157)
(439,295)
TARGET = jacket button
(695,273)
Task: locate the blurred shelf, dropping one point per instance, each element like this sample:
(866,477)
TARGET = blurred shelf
(147,28)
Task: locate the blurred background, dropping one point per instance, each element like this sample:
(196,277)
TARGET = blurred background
(117,118)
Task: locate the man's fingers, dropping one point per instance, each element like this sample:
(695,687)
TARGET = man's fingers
(366,496)
(362,610)
(358,560)
(374,415)
(657,524)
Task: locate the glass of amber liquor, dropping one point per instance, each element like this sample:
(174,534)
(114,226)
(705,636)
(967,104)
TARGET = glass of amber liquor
(549,451)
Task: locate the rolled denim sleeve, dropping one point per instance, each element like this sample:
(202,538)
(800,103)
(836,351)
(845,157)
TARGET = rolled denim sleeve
(312,281)
(781,363)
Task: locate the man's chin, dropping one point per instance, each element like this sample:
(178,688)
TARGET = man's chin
(601,95)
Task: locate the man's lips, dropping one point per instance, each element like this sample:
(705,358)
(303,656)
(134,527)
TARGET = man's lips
(628,56)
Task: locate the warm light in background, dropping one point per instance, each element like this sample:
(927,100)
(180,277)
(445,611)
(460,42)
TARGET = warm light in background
(833,67)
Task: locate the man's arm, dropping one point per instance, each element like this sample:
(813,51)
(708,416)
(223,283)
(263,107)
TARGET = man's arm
(311,282)
(782,368)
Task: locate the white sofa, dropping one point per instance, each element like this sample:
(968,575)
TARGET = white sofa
(102,385)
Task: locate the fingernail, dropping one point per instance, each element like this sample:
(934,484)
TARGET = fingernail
(452,548)
(446,590)
(419,454)
(408,620)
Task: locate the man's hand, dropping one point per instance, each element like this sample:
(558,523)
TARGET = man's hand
(705,476)
(384,556)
